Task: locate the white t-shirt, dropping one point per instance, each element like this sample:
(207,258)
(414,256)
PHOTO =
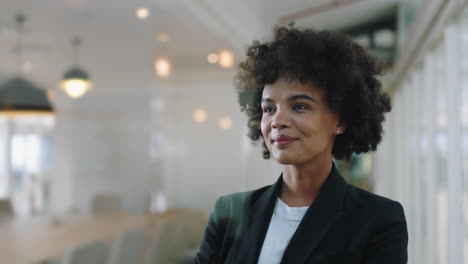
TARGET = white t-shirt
(283,224)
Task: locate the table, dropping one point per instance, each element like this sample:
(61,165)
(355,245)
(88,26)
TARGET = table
(38,239)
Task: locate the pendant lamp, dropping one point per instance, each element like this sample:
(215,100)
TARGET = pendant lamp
(19,96)
(76,81)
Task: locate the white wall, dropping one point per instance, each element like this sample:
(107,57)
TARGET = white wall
(101,145)
(60,173)
(132,143)
(4,172)
(201,160)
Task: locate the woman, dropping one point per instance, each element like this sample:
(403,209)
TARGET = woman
(315,95)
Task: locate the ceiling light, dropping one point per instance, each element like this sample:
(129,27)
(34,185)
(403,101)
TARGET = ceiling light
(199,115)
(213,58)
(163,37)
(76,87)
(142,13)
(18,96)
(226,59)
(225,123)
(76,81)
(162,67)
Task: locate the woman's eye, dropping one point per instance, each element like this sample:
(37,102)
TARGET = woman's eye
(268,109)
(300,107)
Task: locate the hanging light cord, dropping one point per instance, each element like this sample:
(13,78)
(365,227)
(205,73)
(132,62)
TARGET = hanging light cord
(20,19)
(76,42)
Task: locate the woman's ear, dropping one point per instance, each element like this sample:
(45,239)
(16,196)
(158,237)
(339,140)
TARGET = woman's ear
(340,128)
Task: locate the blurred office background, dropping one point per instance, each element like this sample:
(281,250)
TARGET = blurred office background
(119,121)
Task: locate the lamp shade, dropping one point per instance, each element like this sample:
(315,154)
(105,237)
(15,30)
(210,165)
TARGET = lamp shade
(76,73)
(18,94)
(76,82)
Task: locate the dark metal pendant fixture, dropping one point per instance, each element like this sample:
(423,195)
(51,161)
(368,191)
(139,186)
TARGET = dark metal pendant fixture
(18,95)
(76,81)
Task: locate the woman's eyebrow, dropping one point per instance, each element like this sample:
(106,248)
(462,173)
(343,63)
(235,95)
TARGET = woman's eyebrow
(302,96)
(268,100)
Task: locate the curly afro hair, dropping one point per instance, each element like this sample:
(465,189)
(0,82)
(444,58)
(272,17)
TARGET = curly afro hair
(332,62)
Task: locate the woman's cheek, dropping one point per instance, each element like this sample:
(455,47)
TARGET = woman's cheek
(264,129)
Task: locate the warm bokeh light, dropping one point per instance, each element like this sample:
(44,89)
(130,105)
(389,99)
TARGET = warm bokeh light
(162,67)
(76,88)
(213,58)
(226,59)
(163,37)
(142,13)
(199,115)
(50,94)
(27,66)
(225,123)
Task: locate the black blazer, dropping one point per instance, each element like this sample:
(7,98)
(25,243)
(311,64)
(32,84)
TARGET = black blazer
(343,225)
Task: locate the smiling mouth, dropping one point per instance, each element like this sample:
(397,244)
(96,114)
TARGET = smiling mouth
(283,143)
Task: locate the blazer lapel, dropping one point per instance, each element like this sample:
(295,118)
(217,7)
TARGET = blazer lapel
(257,226)
(321,215)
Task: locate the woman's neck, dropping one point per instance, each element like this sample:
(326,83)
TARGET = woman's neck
(302,183)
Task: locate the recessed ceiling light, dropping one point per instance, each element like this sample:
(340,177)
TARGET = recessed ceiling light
(163,37)
(226,59)
(162,67)
(142,13)
(225,123)
(213,58)
(199,115)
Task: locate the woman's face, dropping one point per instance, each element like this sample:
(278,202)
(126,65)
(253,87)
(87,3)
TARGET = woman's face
(297,123)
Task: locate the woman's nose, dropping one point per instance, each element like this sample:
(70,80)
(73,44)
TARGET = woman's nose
(280,120)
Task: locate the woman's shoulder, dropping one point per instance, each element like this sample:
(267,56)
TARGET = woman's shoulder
(240,201)
(372,202)
(240,198)
(384,222)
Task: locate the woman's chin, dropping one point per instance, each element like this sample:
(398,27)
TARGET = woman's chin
(285,159)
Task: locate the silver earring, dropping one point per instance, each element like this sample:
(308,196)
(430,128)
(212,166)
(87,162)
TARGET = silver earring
(337,131)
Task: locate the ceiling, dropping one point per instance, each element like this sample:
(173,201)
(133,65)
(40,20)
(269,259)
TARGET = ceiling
(116,44)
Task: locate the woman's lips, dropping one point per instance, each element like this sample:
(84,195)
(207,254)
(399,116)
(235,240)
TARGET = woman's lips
(283,141)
